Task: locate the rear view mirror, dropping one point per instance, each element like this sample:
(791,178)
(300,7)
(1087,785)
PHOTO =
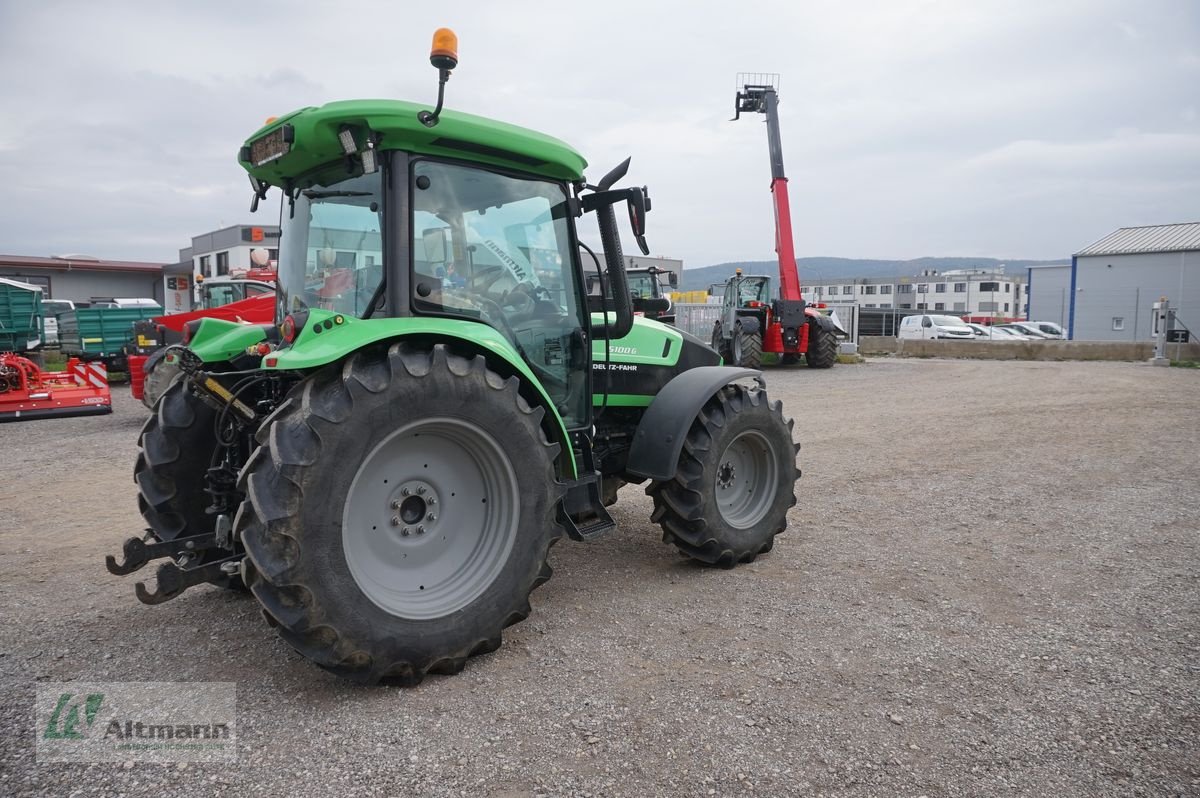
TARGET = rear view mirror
(673,279)
(638,203)
(434,240)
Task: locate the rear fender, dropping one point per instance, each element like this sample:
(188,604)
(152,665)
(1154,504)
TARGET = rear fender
(749,324)
(339,336)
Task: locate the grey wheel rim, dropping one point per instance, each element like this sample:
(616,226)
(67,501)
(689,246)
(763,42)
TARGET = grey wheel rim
(431,518)
(737,347)
(746,480)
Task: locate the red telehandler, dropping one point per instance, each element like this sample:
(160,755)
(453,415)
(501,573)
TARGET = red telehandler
(753,318)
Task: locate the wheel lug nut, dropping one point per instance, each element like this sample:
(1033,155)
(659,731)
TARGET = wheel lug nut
(421,490)
(405,492)
(396,505)
(406,531)
(431,517)
(432,500)
(395,520)
(420,530)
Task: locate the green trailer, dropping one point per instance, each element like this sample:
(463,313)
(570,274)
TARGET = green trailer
(22,322)
(101,333)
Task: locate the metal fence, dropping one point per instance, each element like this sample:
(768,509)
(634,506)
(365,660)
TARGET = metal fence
(696,319)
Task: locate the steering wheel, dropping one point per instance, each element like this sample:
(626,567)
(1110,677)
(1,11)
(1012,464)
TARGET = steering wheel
(516,304)
(483,278)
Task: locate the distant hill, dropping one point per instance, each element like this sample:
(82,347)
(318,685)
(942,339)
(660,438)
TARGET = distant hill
(818,270)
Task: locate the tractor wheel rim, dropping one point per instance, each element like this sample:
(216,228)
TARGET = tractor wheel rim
(746,481)
(431,518)
(737,348)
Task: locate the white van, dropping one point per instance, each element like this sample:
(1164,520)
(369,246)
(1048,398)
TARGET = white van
(929,326)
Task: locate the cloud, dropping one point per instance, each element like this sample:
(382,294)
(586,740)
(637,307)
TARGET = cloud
(910,127)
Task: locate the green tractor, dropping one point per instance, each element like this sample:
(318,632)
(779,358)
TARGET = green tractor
(386,467)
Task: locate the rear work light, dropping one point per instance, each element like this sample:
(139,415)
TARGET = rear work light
(288,329)
(189,330)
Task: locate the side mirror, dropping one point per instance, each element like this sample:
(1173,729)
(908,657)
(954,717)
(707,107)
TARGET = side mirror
(673,279)
(434,240)
(638,204)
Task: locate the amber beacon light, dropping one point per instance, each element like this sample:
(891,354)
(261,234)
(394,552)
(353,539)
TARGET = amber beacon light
(444,56)
(444,53)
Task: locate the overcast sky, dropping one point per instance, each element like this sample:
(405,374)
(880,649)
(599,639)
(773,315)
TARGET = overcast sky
(1021,128)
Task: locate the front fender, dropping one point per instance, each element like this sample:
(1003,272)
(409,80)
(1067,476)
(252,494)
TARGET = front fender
(659,438)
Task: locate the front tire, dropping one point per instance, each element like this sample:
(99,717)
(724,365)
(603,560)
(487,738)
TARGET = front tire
(734,482)
(160,375)
(175,449)
(399,512)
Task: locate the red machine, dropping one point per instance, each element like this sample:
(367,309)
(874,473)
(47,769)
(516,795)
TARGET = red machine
(27,392)
(754,320)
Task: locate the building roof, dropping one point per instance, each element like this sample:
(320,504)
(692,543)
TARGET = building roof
(1155,238)
(66,263)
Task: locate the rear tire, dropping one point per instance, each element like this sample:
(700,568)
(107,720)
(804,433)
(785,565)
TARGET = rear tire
(747,348)
(822,347)
(340,459)
(734,482)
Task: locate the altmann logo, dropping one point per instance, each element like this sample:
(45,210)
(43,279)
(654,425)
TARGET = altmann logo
(65,722)
(136,730)
(147,721)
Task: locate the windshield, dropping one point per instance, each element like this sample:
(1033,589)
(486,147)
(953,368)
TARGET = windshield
(642,285)
(753,289)
(947,321)
(498,249)
(331,247)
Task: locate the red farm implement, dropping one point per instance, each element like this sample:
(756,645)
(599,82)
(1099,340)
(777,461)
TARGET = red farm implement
(27,392)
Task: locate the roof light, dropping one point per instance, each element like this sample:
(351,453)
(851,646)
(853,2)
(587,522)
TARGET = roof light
(444,53)
(369,161)
(346,137)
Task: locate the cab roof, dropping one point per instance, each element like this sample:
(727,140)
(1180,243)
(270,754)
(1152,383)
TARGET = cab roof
(457,135)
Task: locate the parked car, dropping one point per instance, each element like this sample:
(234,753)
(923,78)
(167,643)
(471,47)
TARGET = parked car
(1046,328)
(125,302)
(1020,328)
(930,326)
(51,308)
(983,333)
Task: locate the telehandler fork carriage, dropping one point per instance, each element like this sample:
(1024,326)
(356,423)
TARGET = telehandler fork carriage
(385,468)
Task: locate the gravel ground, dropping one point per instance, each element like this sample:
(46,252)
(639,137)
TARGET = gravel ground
(989,587)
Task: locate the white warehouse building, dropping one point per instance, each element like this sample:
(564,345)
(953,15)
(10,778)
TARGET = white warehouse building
(977,293)
(1107,292)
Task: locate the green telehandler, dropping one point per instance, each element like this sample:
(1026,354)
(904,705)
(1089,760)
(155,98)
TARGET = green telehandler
(386,467)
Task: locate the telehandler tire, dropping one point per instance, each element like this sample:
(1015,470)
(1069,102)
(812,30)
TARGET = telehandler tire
(398,512)
(747,348)
(734,483)
(822,347)
(719,343)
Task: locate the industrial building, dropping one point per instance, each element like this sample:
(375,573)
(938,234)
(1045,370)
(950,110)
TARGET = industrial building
(983,293)
(1107,292)
(81,278)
